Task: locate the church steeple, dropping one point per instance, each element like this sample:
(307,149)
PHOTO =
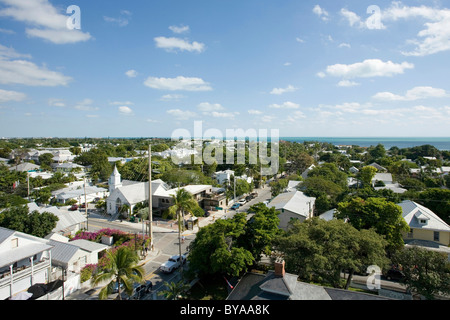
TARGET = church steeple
(115,180)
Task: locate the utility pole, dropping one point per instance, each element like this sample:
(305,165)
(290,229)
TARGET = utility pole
(150,212)
(28,184)
(85,204)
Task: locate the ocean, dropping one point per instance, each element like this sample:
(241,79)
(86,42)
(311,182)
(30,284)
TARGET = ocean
(388,142)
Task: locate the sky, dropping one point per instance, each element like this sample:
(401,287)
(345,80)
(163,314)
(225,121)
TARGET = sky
(140,68)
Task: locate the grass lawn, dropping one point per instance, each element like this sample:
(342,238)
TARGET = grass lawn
(211,288)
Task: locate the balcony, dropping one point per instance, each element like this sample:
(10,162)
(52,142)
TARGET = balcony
(22,272)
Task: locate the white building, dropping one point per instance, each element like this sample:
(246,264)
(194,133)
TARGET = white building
(24,261)
(293,205)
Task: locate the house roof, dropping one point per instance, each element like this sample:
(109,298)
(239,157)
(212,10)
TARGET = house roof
(62,252)
(295,201)
(66,219)
(10,256)
(253,286)
(89,245)
(413,211)
(26,166)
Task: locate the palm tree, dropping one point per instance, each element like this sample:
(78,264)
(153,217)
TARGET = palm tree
(121,268)
(174,290)
(182,202)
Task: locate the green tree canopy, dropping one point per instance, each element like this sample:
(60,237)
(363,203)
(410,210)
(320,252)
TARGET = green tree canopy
(216,250)
(20,219)
(366,174)
(319,250)
(378,213)
(426,272)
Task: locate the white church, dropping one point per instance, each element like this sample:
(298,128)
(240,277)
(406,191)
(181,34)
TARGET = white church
(129,192)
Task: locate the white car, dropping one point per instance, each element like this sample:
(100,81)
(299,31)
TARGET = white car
(173,263)
(242,202)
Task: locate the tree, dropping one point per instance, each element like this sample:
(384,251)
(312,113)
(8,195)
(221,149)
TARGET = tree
(45,160)
(174,290)
(183,202)
(216,248)
(377,152)
(278,186)
(260,231)
(438,201)
(366,174)
(34,223)
(378,213)
(426,272)
(121,268)
(320,250)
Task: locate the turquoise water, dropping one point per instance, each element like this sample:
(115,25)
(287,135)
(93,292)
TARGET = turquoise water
(439,143)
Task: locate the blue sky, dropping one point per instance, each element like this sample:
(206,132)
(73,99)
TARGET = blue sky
(146,68)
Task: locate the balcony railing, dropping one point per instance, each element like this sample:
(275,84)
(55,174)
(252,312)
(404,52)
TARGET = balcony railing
(21,272)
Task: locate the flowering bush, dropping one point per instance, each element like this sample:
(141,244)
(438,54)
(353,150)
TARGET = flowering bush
(121,239)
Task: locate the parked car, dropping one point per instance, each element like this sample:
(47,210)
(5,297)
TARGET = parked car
(242,202)
(142,289)
(235,206)
(73,207)
(173,263)
(394,274)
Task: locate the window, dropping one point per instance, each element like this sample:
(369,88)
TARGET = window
(423,221)
(410,234)
(436,235)
(14,243)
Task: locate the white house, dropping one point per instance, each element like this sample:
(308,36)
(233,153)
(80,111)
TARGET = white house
(424,224)
(24,261)
(224,176)
(69,222)
(387,180)
(293,205)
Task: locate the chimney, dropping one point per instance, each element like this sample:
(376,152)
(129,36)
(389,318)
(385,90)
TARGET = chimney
(279,268)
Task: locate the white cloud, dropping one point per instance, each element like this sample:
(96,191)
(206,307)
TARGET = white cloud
(121,21)
(436,35)
(180,29)
(216,114)
(125,110)
(279,91)
(347,83)
(209,107)
(253,111)
(268,118)
(295,116)
(413,94)
(121,103)
(367,69)
(181,114)
(344,45)
(299,40)
(172,97)
(322,13)
(56,102)
(6,96)
(86,105)
(59,36)
(178,83)
(131,73)
(434,38)
(48,23)
(25,72)
(285,105)
(174,44)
